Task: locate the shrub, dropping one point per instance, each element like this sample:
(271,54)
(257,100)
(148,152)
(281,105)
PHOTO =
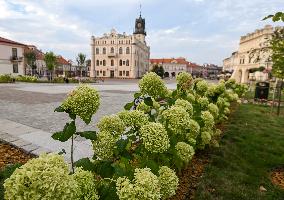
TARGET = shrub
(6,78)
(168,182)
(30,79)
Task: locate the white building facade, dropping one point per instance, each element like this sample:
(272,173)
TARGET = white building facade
(11,57)
(253,53)
(120,55)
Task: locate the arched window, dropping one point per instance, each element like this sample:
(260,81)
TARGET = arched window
(98,62)
(97,51)
(120,62)
(127,50)
(104,63)
(112,50)
(112,62)
(104,50)
(120,50)
(127,62)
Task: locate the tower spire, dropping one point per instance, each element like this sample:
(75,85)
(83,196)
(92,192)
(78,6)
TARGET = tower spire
(140,9)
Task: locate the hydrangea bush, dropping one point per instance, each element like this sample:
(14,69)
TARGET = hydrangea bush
(136,151)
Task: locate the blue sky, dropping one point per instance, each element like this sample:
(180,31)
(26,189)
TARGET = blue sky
(203,31)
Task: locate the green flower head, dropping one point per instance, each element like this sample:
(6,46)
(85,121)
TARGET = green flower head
(203,102)
(83,101)
(151,84)
(184,151)
(45,177)
(186,105)
(168,182)
(201,86)
(214,110)
(154,137)
(184,80)
(104,145)
(112,124)
(133,118)
(208,120)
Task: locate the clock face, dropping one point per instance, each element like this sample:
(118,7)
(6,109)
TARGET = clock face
(139,25)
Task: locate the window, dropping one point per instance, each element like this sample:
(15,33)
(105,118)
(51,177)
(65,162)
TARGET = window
(112,50)
(120,73)
(104,63)
(123,62)
(97,51)
(98,73)
(104,50)
(112,62)
(104,73)
(120,50)
(127,62)
(14,53)
(101,62)
(123,73)
(127,73)
(135,63)
(98,63)
(127,50)
(120,62)
(15,68)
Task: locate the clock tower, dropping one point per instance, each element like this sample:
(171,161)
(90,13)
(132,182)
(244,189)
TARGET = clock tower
(140,32)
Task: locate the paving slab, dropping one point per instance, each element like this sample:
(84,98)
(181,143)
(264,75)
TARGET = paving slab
(7,137)
(30,147)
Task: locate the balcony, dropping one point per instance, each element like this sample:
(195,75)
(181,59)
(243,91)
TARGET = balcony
(112,55)
(16,59)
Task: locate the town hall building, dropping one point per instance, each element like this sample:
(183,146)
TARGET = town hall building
(117,55)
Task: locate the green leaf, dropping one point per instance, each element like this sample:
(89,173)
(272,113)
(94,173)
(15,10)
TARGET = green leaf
(277,16)
(104,169)
(128,106)
(137,94)
(121,145)
(148,101)
(174,93)
(90,135)
(59,109)
(72,116)
(68,131)
(107,190)
(86,164)
(267,17)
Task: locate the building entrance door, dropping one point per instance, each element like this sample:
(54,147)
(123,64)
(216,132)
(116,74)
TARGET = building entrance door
(111,73)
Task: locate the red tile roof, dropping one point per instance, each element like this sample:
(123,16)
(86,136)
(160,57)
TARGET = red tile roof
(7,41)
(169,60)
(62,60)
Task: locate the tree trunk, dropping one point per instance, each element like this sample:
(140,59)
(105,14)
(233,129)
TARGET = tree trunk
(279,98)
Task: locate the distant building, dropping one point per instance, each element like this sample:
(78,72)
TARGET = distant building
(211,70)
(11,57)
(172,66)
(253,52)
(117,55)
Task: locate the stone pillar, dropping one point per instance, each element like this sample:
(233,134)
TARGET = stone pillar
(244,76)
(93,62)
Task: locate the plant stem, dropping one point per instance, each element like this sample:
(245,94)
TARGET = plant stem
(72,161)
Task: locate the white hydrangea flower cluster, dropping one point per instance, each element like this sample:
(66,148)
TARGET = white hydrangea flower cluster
(168,182)
(133,118)
(151,84)
(176,119)
(211,91)
(203,102)
(214,110)
(144,186)
(220,88)
(205,137)
(186,105)
(104,145)
(208,120)
(45,177)
(154,137)
(83,101)
(190,97)
(112,124)
(194,130)
(201,86)
(185,80)
(184,151)
(86,183)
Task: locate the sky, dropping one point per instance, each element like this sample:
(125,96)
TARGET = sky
(203,31)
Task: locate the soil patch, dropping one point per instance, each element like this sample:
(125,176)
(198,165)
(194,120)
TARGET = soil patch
(277,177)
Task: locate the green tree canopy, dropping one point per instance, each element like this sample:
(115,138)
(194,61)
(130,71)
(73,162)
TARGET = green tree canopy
(159,70)
(81,60)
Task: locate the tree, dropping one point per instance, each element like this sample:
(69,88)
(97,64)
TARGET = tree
(159,70)
(277,57)
(81,60)
(51,62)
(279,16)
(30,56)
